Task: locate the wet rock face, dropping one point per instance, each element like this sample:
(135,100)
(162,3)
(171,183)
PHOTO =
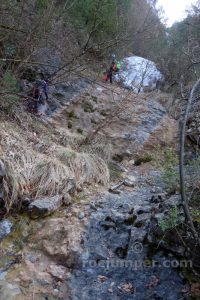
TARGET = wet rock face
(61,95)
(148,122)
(117,258)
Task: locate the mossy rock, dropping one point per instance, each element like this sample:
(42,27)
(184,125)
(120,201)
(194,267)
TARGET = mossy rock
(80,130)
(143,159)
(94,98)
(71,114)
(104,113)
(93,121)
(88,107)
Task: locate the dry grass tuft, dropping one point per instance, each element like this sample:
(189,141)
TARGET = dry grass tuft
(86,167)
(50,177)
(17,182)
(29,174)
(102,149)
(33,176)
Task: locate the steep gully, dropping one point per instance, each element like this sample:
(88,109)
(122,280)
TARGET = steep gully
(118,260)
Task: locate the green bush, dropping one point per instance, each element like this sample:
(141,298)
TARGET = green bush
(171,220)
(88,107)
(42,4)
(9,87)
(9,82)
(79,130)
(108,16)
(71,114)
(9,50)
(170,170)
(144,159)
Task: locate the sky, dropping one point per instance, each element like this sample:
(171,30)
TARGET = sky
(175,9)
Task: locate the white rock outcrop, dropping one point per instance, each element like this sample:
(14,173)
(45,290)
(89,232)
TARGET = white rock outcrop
(139,74)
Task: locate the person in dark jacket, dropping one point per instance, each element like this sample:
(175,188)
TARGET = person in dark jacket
(109,74)
(44,86)
(36,95)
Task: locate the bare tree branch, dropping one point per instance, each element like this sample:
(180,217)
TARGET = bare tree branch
(181,160)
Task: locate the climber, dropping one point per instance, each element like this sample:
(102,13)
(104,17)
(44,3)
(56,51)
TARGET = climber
(114,66)
(109,74)
(44,86)
(36,95)
(39,92)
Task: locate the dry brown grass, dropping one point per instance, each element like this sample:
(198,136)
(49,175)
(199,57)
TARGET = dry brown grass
(39,160)
(85,167)
(34,175)
(50,177)
(17,182)
(100,147)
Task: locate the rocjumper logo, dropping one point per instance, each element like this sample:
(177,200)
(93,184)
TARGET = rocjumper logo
(136,264)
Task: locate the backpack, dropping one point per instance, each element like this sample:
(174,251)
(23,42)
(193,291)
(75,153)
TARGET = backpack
(36,92)
(39,88)
(118,66)
(114,68)
(105,76)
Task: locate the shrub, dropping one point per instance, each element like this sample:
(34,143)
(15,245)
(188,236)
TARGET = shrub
(171,220)
(9,82)
(144,159)
(88,107)
(42,4)
(170,170)
(71,114)
(80,130)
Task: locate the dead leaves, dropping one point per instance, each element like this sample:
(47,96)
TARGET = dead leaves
(102,278)
(154,281)
(126,288)
(195,289)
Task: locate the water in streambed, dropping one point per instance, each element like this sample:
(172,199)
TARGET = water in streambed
(117,262)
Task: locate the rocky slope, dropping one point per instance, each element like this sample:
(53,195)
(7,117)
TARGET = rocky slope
(50,256)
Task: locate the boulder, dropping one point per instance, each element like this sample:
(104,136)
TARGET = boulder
(46,206)
(139,74)
(61,240)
